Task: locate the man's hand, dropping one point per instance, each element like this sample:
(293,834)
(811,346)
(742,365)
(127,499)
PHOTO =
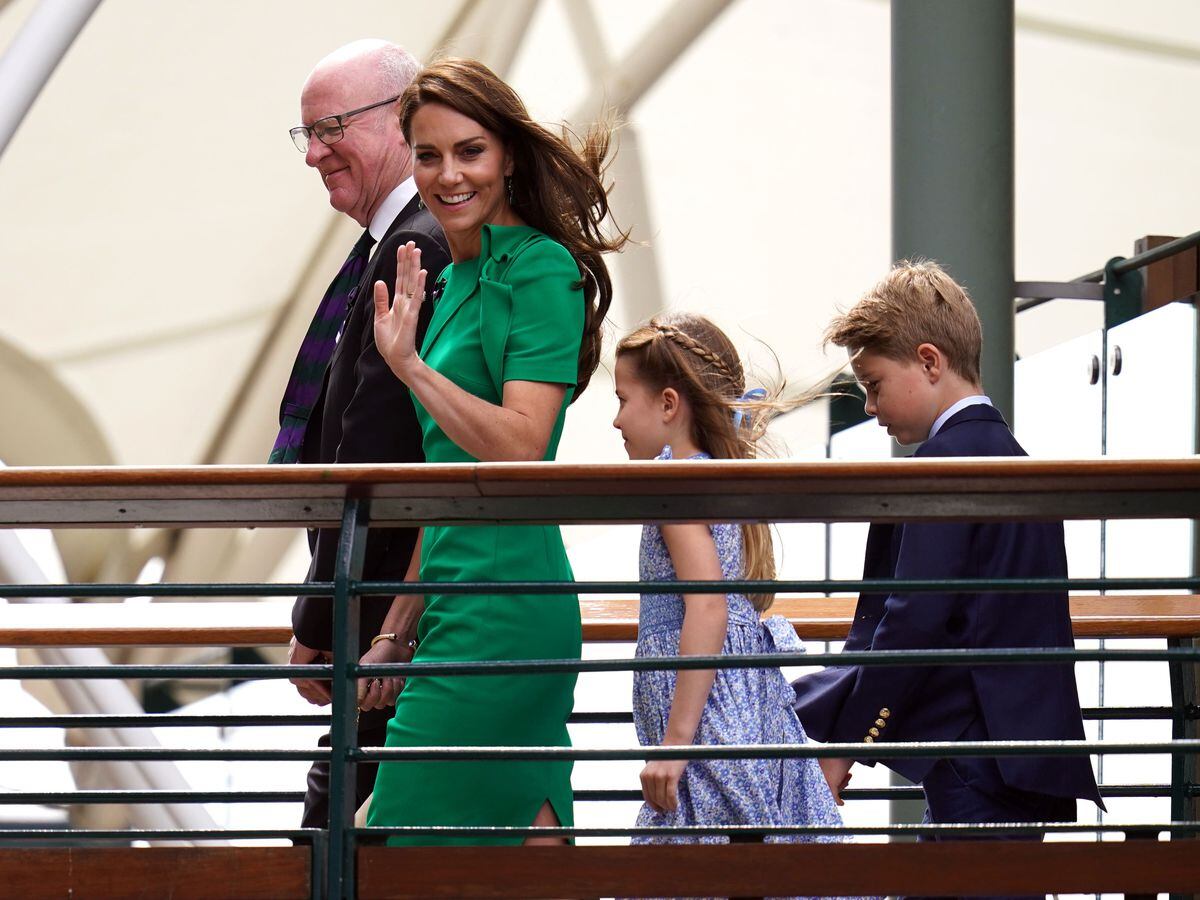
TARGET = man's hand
(314,691)
(837,775)
(660,783)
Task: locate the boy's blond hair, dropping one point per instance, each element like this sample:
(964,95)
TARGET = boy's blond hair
(917,303)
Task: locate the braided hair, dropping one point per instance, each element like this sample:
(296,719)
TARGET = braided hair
(691,354)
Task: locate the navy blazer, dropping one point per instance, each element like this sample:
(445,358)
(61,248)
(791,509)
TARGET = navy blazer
(936,703)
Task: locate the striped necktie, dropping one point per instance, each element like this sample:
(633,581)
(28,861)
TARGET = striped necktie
(308,372)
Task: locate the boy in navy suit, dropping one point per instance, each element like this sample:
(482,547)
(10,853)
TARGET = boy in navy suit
(914,343)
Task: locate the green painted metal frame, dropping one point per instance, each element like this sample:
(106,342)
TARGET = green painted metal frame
(339,867)
(333,850)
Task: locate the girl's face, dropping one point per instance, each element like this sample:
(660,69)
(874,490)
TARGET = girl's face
(644,416)
(459,167)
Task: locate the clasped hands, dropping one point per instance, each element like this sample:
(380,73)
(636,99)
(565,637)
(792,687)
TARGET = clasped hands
(373,693)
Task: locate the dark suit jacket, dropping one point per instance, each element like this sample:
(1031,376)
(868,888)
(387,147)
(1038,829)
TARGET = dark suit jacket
(365,415)
(936,703)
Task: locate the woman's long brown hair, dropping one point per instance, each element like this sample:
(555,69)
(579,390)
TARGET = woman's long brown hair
(691,354)
(557,188)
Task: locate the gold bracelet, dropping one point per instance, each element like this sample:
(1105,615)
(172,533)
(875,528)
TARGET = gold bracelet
(386,636)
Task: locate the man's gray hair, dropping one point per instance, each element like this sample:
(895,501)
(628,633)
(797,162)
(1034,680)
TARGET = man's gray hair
(394,66)
(397,68)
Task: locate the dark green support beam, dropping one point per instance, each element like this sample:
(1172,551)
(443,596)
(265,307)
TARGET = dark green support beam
(952,158)
(952,173)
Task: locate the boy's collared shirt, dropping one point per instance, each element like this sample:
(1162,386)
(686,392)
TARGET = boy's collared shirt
(955,408)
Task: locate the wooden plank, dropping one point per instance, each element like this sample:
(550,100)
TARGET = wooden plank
(264,624)
(1168,279)
(964,868)
(181,873)
(99,624)
(715,490)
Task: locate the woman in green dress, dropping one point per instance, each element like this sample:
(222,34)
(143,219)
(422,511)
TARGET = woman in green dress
(514,337)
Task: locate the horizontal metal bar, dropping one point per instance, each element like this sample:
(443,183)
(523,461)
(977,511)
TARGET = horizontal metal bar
(885,793)
(1107,713)
(897,750)
(1169,249)
(1057,290)
(198,590)
(1014,656)
(158,720)
(960,830)
(1144,259)
(66,798)
(1127,713)
(861,751)
(159,834)
(915,793)
(207,754)
(963,656)
(811,586)
(600,718)
(308,834)
(751,586)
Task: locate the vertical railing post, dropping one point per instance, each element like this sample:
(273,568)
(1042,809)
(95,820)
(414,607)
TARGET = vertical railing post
(352,543)
(1185,771)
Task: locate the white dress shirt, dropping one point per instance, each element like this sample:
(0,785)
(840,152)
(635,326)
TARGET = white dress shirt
(391,207)
(957,407)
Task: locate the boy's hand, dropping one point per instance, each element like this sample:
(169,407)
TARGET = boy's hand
(660,783)
(837,775)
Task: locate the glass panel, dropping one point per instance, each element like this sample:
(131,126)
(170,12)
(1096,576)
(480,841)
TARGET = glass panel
(1151,414)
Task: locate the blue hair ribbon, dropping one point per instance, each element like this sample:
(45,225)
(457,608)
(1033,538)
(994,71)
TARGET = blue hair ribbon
(739,415)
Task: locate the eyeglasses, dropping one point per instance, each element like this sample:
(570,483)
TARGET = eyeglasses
(330,129)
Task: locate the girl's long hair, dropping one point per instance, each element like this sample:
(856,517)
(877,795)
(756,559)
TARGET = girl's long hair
(691,354)
(557,182)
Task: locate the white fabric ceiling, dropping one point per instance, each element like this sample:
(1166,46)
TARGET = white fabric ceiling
(155,221)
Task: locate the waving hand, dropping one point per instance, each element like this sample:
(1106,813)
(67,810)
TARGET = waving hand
(396,327)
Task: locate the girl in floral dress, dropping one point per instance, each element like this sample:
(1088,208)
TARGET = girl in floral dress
(680,387)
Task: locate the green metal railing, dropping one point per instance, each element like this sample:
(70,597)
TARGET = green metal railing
(1119,284)
(333,854)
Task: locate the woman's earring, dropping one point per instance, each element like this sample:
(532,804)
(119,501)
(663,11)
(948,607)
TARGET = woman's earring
(420,203)
(508,186)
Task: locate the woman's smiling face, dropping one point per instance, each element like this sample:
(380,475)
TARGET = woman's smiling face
(460,167)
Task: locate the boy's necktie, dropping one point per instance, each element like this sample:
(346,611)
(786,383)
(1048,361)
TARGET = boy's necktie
(308,372)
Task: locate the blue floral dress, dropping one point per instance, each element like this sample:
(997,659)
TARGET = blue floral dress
(746,706)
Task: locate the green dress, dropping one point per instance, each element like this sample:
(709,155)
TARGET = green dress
(513,314)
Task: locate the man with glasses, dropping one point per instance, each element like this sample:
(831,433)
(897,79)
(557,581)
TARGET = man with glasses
(342,403)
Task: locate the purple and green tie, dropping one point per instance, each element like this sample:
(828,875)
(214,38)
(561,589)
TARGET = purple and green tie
(308,372)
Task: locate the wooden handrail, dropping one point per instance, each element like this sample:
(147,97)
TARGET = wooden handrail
(713,490)
(267,623)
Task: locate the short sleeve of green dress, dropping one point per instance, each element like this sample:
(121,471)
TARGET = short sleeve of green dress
(515,313)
